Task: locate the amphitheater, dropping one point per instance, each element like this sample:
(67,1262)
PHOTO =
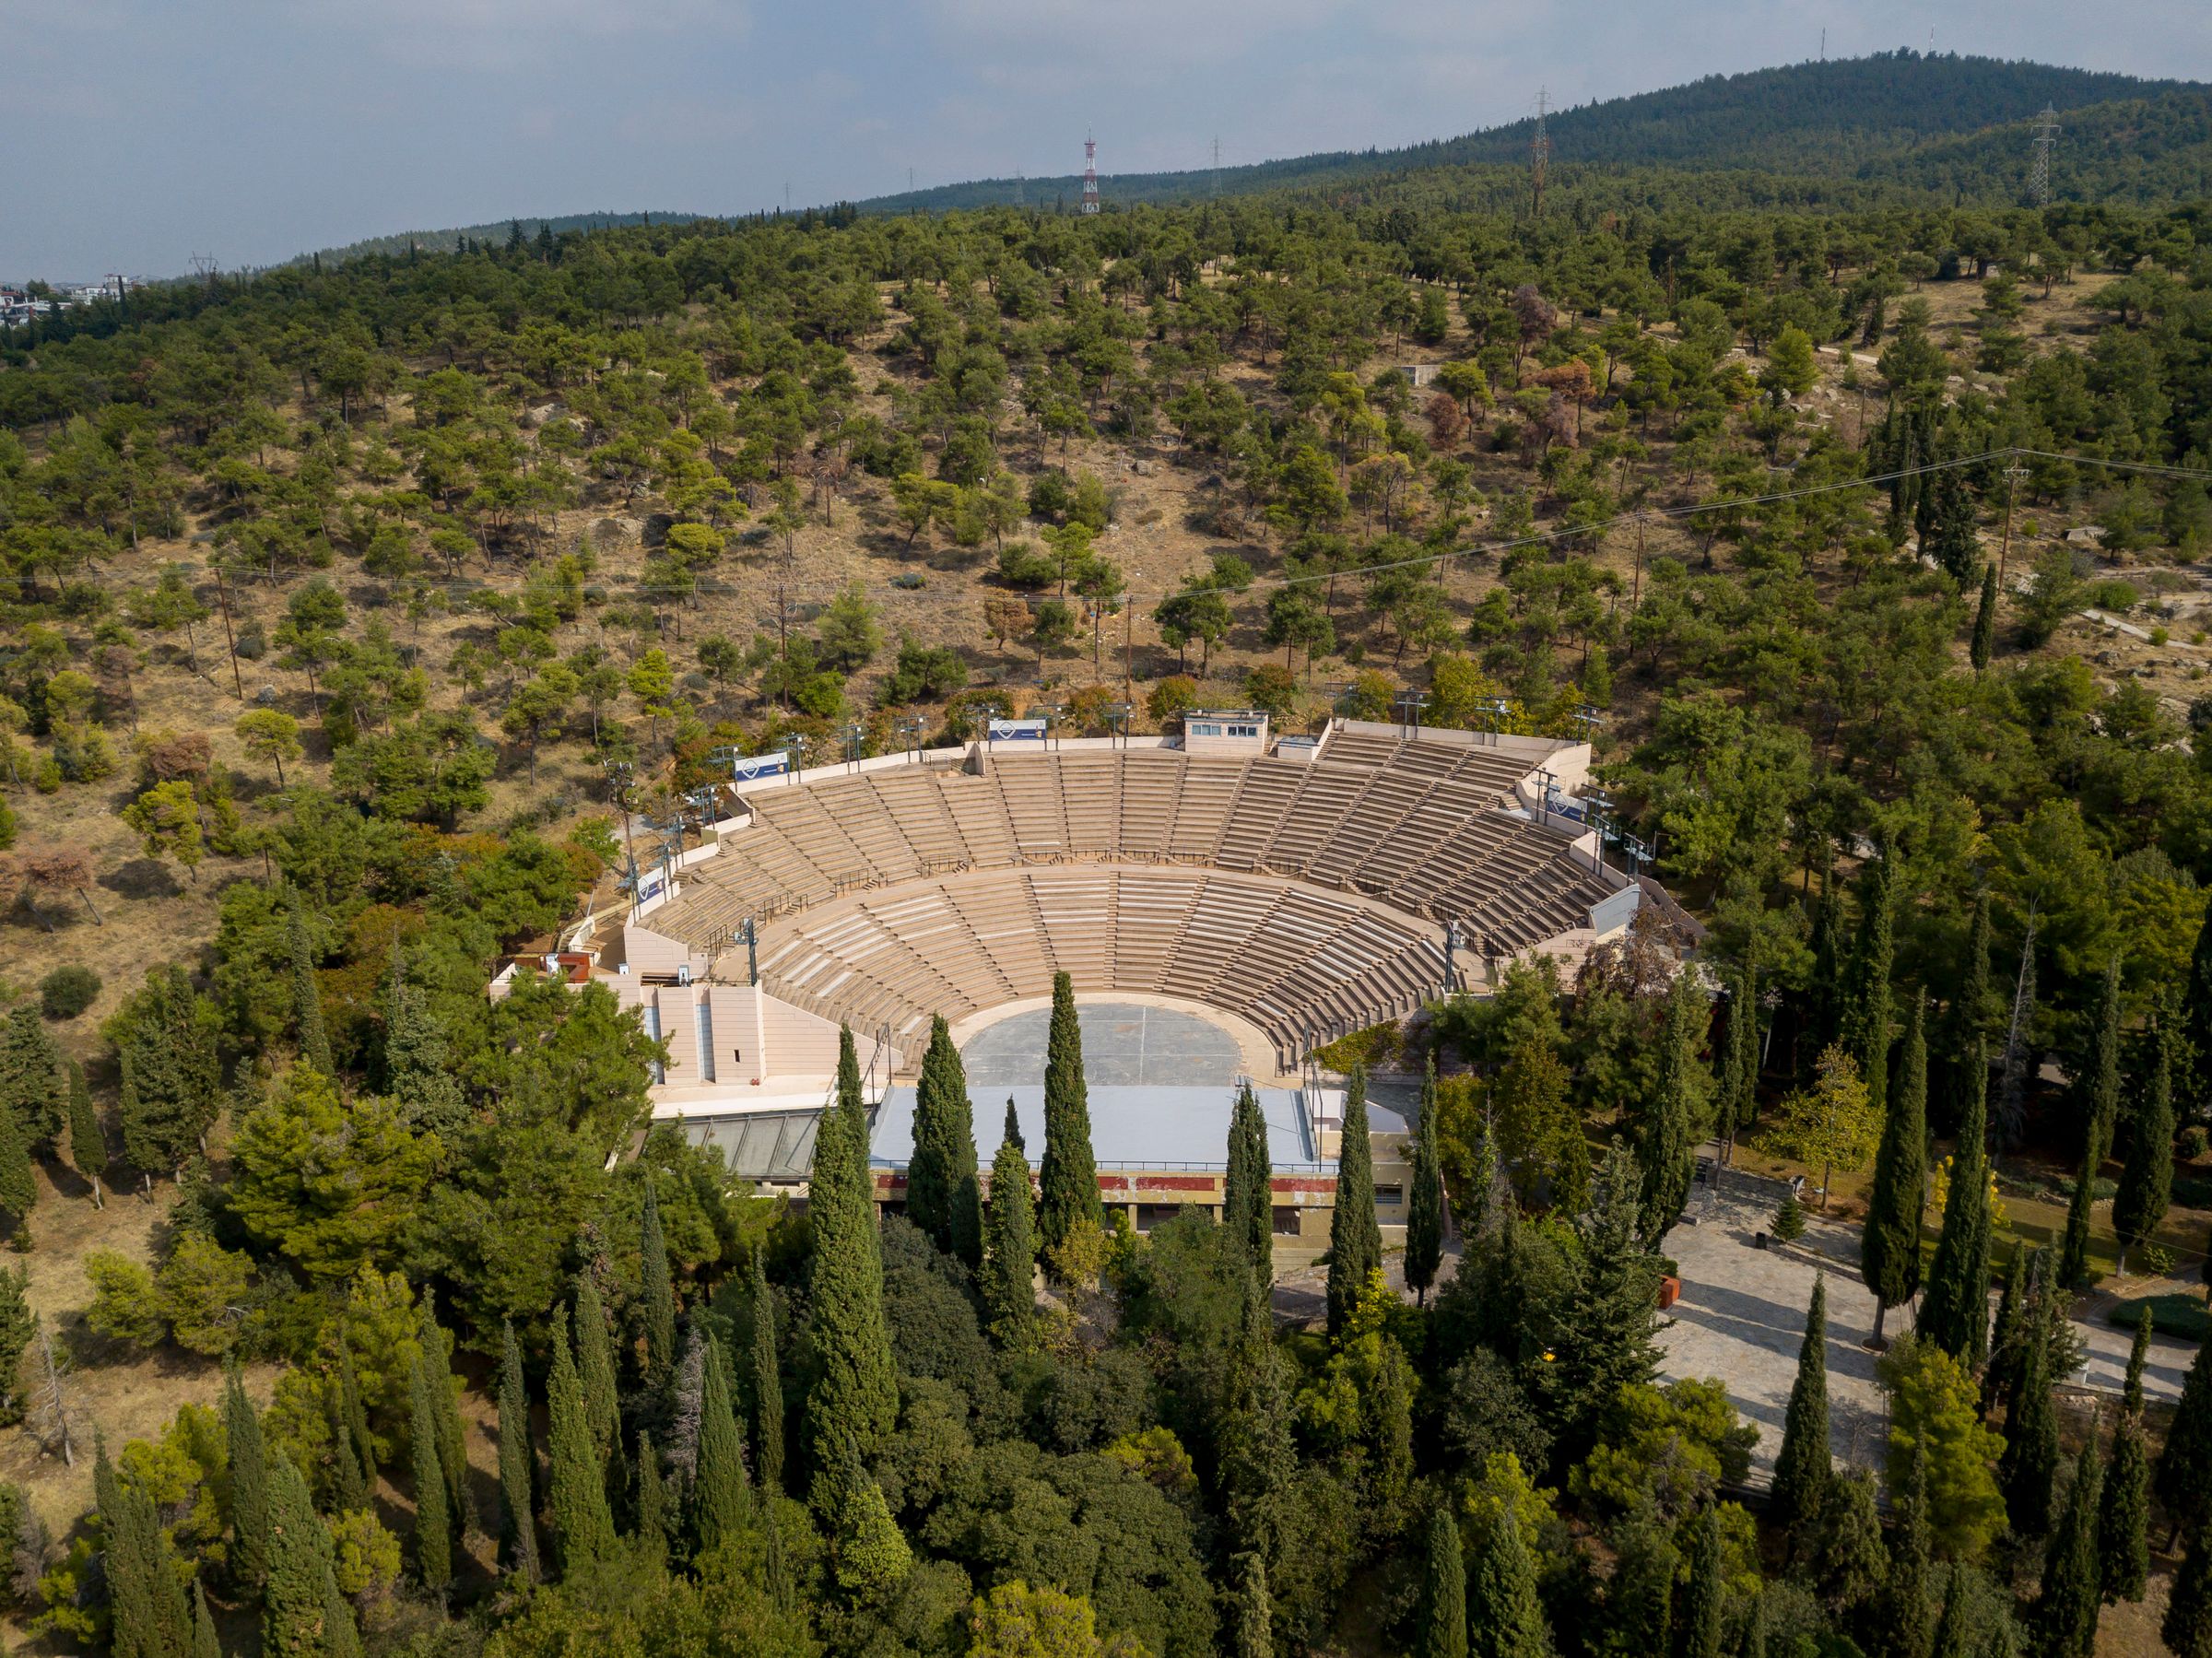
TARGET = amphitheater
(1289,892)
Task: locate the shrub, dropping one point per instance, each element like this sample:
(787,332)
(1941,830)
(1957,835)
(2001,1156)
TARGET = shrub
(2177,1315)
(1172,698)
(68,991)
(252,643)
(1789,1217)
(2195,1141)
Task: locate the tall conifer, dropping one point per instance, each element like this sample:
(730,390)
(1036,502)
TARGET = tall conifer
(1425,1194)
(2184,1476)
(1067,1196)
(1248,1197)
(2101,1084)
(1954,1314)
(1889,1244)
(2028,1469)
(2124,1515)
(1505,1618)
(1667,1149)
(1864,1023)
(657,1290)
(249,1482)
(1803,1471)
(1355,1239)
(768,1382)
(1905,1596)
(2147,1177)
(446,1412)
(1257,1460)
(1966,1022)
(1009,1281)
(1252,1610)
(577,1487)
(518,1462)
(1441,1631)
(2065,1611)
(652,1501)
(1985,620)
(307,1001)
(1739,1069)
(722,1502)
(2187,1627)
(87,1138)
(944,1194)
(595,1366)
(341,1635)
(433,1507)
(300,1556)
(855,1397)
(1702,1602)
(205,1643)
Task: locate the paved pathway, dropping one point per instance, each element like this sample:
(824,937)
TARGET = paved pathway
(1742,1318)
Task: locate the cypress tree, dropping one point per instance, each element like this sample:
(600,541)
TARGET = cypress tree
(1442,1628)
(307,1001)
(652,1499)
(1424,1195)
(1803,1472)
(1954,1314)
(2184,1476)
(871,1554)
(1257,1458)
(944,1197)
(1906,1593)
(595,1368)
(300,1554)
(126,1559)
(32,1078)
(2138,1356)
(775,1570)
(1954,1635)
(518,1503)
(1251,1612)
(582,1524)
(1009,1281)
(1966,1021)
(2147,1177)
(2103,1089)
(341,1636)
(1823,1007)
(2187,1627)
(1505,1618)
(1739,1069)
(2124,1516)
(657,1293)
(18,1183)
(768,1383)
(722,1503)
(1067,1197)
(445,1411)
(1701,1607)
(433,1507)
(2196,1004)
(856,1395)
(348,1479)
(1248,1197)
(1355,1239)
(1864,1022)
(1985,620)
(2006,1344)
(2028,1468)
(206,1643)
(249,1482)
(1666,1153)
(1604,1342)
(1012,1133)
(2072,1591)
(87,1139)
(354,1414)
(170,1634)
(1890,1245)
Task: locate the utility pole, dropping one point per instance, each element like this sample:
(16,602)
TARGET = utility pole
(2012,475)
(1539,158)
(2046,136)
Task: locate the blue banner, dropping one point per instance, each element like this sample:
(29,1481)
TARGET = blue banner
(1016,731)
(746,768)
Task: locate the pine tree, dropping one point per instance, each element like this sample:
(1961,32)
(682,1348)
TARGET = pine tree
(2103,1089)
(1702,1607)
(1739,1069)
(1890,1245)
(722,1502)
(768,1383)
(855,1397)
(2185,1476)
(2124,1516)
(1906,1592)
(433,1507)
(1067,1198)
(652,1499)
(1505,1618)
(19,1181)
(1604,1342)
(1667,1152)
(445,1410)
(2028,1469)
(1864,1021)
(944,1197)
(307,1000)
(595,1366)
(1985,620)
(2065,1611)
(341,1635)
(1247,1194)
(577,1489)
(1009,1286)
(1441,1631)
(205,1643)
(2147,1177)
(249,1482)
(518,1460)
(1803,1472)
(1966,1021)
(657,1292)
(419,1072)
(1424,1195)
(1954,1314)
(87,1139)
(1355,1239)
(300,1554)
(32,1077)
(2187,1627)
(1252,1610)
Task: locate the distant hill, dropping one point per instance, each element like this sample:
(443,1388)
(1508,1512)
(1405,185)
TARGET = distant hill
(1872,118)
(446,241)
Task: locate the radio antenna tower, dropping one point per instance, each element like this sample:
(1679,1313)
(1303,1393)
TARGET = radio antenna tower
(203,265)
(2046,136)
(1091,174)
(1019,180)
(1213,185)
(1539,157)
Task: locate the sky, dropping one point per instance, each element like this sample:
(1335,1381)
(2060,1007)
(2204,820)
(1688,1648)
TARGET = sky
(140,133)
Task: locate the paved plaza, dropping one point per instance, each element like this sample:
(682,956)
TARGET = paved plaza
(1124,1043)
(1741,1318)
